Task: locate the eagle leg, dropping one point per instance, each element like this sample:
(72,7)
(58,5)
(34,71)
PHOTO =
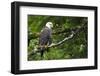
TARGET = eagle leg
(42,51)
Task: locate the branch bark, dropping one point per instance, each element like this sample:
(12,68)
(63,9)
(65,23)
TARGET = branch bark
(61,42)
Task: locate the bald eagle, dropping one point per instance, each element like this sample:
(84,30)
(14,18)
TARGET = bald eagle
(45,37)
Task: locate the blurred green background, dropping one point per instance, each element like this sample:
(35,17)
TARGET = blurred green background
(73,48)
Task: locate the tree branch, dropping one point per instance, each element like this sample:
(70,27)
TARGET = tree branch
(35,50)
(65,39)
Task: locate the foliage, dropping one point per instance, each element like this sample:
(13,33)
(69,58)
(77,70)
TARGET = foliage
(71,49)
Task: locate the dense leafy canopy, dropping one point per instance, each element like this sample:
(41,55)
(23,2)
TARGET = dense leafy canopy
(62,27)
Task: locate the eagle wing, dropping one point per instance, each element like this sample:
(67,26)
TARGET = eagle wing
(45,37)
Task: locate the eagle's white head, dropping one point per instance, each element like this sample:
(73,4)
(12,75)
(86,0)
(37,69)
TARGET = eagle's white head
(49,25)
